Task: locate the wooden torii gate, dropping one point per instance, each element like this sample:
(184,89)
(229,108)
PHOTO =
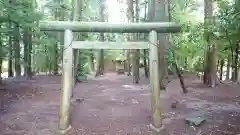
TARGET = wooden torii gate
(69,27)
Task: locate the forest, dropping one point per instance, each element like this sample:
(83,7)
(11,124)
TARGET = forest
(207,45)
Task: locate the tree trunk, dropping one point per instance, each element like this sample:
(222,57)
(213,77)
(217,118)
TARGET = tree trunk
(160,14)
(185,63)
(236,63)
(206,69)
(162,67)
(236,70)
(136,58)
(228,67)
(210,60)
(29,61)
(17,55)
(100,53)
(145,55)
(218,66)
(221,69)
(55,46)
(60,35)
(27,40)
(128,64)
(232,66)
(238,79)
(58,16)
(46,59)
(1,57)
(1,69)
(10,57)
(100,62)
(135,67)
(146,71)
(55,64)
(76,16)
(25,49)
(179,74)
(213,66)
(131,53)
(91,62)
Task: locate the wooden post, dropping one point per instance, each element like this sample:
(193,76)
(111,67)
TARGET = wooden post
(66,90)
(154,82)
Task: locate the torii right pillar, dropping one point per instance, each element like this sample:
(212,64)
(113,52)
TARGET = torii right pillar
(154,82)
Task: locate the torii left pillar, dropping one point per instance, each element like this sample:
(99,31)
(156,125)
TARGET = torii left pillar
(67,80)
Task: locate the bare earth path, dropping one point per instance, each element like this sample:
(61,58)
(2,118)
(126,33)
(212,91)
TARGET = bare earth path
(112,105)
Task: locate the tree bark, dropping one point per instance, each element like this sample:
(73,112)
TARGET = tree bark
(29,61)
(236,63)
(27,40)
(210,60)
(136,58)
(100,53)
(213,68)
(128,63)
(1,69)
(145,63)
(17,55)
(91,62)
(179,74)
(135,67)
(146,69)
(221,69)
(161,14)
(218,66)
(228,67)
(1,57)
(238,79)
(76,16)
(100,62)
(131,56)
(55,48)
(206,68)
(55,64)
(232,64)
(59,15)
(10,57)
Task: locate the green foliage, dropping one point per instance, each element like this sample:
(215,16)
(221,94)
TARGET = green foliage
(188,45)
(20,13)
(227,27)
(197,64)
(81,70)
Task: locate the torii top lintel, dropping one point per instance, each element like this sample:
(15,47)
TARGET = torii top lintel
(160,27)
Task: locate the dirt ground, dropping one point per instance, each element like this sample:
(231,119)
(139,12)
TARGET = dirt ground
(112,105)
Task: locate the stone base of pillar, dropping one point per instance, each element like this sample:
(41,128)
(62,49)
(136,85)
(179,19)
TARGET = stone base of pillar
(155,129)
(64,132)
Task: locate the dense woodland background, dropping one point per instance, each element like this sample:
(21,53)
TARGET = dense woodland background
(208,42)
